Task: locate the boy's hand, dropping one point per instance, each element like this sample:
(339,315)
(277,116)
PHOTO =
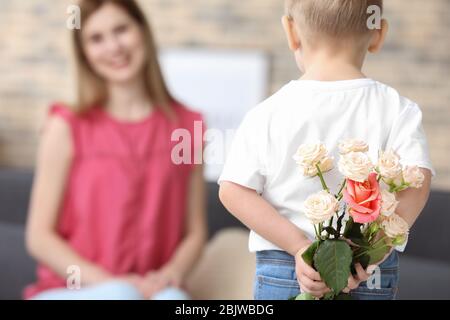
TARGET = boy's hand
(363,275)
(355,280)
(308,278)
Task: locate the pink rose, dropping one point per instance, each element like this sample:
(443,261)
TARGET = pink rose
(364,199)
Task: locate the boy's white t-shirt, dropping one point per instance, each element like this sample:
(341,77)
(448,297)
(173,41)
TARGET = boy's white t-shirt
(305,111)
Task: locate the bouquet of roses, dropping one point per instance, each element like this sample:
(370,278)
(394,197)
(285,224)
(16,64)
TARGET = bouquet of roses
(358,224)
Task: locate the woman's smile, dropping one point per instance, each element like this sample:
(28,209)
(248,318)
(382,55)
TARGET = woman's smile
(120,62)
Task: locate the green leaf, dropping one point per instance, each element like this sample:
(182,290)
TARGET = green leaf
(343,296)
(348,226)
(362,242)
(341,217)
(305,296)
(332,231)
(371,255)
(377,252)
(332,260)
(363,259)
(308,255)
(354,234)
(353,230)
(329,296)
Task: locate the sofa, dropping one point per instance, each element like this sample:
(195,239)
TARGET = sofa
(226,268)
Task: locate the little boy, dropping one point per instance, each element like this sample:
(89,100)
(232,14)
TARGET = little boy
(331,102)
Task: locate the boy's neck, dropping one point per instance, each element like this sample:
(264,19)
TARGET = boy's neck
(335,66)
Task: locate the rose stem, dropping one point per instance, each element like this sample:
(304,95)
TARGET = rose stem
(317,234)
(319,173)
(339,194)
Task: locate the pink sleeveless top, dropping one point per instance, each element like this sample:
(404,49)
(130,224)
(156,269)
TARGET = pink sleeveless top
(125,202)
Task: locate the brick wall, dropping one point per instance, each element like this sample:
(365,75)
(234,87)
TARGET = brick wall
(35,56)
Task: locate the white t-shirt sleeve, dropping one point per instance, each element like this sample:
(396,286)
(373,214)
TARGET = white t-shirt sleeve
(243,163)
(408,139)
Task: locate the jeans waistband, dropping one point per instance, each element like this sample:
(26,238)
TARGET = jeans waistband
(274,255)
(392,262)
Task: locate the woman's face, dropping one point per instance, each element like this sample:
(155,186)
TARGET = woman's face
(113,44)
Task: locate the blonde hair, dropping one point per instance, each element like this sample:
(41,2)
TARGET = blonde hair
(91,88)
(335,18)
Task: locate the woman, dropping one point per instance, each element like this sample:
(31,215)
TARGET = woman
(107,196)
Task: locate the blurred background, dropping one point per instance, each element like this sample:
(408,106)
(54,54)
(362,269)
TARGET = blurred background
(236,52)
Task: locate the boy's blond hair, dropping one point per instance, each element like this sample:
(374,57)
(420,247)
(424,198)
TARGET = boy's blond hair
(335,18)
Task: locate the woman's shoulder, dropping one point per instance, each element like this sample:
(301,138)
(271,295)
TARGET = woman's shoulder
(61,118)
(70,113)
(61,108)
(57,131)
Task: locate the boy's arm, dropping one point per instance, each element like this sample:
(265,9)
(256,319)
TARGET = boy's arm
(257,214)
(412,201)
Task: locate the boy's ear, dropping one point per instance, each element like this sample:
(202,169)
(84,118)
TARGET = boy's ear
(291,33)
(378,38)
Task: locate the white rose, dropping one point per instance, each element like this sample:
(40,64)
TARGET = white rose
(355,166)
(388,203)
(326,164)
(312,154)
(395,226)
(389,165)
(352,145)
(320,207)
(413,176)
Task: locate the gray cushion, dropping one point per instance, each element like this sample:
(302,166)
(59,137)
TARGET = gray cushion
(429,236)
(218,217)
(15,186)
(17,267)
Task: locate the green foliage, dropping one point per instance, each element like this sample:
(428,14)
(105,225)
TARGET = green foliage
(305,296)
(332,260)
(308,255)
(343,296)
(378,251)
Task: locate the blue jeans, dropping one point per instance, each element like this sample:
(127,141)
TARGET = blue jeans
(276,279)
(113,290)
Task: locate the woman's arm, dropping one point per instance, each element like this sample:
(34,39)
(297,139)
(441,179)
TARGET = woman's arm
(196,231)
(43,243)
(412,201)
(191,247)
